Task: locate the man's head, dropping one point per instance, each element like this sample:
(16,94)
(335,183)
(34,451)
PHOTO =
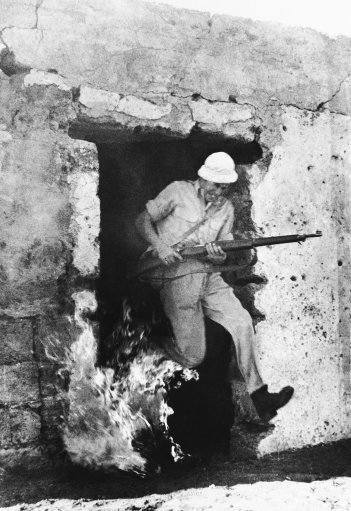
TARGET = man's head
(216,175)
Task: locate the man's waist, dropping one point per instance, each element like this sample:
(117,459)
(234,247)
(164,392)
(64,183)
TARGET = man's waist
(182,268)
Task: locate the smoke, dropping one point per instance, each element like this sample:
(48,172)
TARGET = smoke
(111,409)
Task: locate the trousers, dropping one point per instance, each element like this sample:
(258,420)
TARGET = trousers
(186,300)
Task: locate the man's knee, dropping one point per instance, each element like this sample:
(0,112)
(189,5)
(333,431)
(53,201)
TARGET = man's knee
(193,355)
(239,326)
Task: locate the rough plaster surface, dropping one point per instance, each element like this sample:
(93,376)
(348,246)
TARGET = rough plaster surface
(40,235)
(129,105)
(33,197)
(333,494)
(44,78)
(125,64)
(158,48)
(17,341)
(305,339)
(219,114)
(19,428)
(85,223)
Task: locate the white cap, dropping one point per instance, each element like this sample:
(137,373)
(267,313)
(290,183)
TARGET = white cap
(218,168)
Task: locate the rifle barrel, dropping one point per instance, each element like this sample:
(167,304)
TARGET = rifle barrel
(233,245)
(151,262)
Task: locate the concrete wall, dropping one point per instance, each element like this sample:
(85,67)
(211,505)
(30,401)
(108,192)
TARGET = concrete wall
(307,299)
(46,185)
(101,67)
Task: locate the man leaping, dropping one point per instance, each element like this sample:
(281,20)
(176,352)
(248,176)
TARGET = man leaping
(191,213)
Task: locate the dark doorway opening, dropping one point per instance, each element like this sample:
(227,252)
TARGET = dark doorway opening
(132,171)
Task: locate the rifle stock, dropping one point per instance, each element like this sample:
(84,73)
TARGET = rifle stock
(151,262)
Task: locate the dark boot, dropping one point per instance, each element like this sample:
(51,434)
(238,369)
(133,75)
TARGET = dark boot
(267,403)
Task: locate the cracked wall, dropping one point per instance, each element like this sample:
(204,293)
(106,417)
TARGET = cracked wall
(100,71)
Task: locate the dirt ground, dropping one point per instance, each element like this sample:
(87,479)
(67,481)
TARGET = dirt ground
(309,464)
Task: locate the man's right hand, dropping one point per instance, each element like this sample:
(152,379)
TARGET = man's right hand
(167,254)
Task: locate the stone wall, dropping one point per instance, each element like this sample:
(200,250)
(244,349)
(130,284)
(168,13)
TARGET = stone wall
(98,70)
(43,174)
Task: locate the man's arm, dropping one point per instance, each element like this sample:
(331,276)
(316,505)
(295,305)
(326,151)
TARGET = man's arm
(157,209)
(146,229)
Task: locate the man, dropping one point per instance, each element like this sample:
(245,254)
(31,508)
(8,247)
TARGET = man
(192,213)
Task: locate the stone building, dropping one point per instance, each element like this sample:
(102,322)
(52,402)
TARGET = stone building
(102,103)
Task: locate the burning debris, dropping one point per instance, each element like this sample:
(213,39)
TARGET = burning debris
(116,413)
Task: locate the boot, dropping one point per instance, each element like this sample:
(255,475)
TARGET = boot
(267,403)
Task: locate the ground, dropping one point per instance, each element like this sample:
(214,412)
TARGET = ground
(324,462)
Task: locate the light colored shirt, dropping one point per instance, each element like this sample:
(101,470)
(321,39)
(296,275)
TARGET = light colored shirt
(180,206)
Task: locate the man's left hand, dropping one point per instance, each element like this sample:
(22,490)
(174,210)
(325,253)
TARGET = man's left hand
(215,253)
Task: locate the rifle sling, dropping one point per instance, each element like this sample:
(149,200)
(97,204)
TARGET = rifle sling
(208,214)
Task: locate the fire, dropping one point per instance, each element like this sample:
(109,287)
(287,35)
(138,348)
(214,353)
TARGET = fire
(111,408)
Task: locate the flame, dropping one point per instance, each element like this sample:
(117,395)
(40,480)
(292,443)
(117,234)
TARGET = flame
(110,408)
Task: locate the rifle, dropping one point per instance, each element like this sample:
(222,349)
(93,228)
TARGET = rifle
(150,262)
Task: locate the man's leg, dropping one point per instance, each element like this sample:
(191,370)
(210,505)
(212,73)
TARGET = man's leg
(221,305)
(182,305)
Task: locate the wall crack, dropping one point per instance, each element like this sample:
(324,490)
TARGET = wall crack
(37,7)
(2,38)
(320,106)
(313,111)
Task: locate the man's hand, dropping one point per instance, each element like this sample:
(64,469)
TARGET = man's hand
(167,254)
(215,253)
